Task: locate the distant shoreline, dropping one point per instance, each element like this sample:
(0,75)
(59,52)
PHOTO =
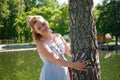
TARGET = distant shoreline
(11,48)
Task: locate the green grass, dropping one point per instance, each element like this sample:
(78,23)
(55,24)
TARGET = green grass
(23,65)
(26,65)
(110,67)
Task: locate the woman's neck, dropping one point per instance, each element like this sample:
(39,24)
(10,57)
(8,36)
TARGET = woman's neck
(48,37)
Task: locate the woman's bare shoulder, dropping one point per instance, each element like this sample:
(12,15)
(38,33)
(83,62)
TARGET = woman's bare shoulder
(40,43)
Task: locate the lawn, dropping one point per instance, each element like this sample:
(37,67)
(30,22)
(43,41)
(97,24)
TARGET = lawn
(26,65)
(110,67)
(23,65)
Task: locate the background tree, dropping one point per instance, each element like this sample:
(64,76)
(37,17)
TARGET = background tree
(8,30)
(29,4)
(57,18)
(4,12)
(13,9)
(24,33)
(61,20)
(83,38)
(48,3)
(109,19)
(14,14)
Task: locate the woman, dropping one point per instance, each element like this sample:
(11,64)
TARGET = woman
(51,48)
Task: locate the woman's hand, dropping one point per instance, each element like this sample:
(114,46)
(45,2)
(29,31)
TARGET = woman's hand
(80,65)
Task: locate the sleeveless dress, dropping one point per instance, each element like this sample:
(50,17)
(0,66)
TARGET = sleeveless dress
(50,70)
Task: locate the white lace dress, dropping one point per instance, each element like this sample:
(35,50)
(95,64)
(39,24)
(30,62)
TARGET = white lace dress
(50,70)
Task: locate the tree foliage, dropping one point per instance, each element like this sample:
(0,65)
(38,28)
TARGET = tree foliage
(13,9)
(57,18)
(4,12)
(109,19)
(14,14)
(61,20)
(8,31)
(29,4)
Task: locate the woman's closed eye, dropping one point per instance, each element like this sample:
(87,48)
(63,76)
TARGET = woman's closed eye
(43,24)
(39,28)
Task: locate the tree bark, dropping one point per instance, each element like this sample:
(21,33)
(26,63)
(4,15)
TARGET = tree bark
(83,38)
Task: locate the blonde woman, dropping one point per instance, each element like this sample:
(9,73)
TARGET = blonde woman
(51,48)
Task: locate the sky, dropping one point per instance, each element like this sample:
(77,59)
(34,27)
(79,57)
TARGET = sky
(66,1)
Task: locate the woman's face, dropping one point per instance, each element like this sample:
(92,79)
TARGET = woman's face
(41,27)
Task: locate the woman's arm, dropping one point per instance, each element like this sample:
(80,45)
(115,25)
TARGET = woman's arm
(47,53)
(67,47)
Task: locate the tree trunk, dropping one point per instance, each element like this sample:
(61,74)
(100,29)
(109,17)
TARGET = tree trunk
(83,38)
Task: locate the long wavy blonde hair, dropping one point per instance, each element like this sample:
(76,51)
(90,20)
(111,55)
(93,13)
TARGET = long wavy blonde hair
(31,21)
